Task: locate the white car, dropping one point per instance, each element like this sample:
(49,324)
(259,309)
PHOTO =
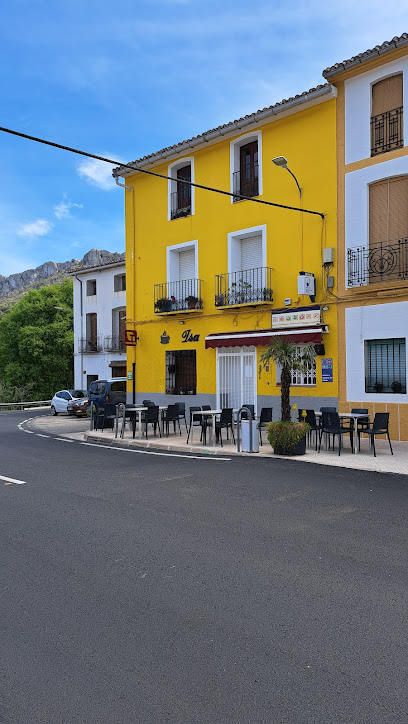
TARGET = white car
(72,402)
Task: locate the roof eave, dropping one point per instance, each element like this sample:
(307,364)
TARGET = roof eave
(343,67)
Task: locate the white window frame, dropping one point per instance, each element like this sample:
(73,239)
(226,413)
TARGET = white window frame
(172,183)
(235,147)
(172,261)
(234,246)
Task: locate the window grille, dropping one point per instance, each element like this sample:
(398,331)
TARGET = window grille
(181,372)
(308,377)
(385,366)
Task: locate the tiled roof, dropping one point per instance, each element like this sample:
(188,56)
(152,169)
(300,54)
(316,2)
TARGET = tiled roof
(396,42)
(76,269)
(283,105)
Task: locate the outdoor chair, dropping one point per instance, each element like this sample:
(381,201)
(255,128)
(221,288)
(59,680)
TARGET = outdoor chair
(196,422)
(264,419)
(244,415)
(363,422)
(181,412)
(312,422)
(105,417)
(148,403)
(225,421)
(328,409)
(206,421)
(379,427)
(151,417)
(331,426)
(171,415)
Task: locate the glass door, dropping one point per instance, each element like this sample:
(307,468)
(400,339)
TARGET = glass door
(236,377)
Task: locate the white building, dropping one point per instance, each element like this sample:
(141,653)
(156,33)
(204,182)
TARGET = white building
(99,322)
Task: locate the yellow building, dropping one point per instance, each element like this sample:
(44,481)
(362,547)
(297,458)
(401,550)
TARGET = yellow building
(212,277)
(372,166)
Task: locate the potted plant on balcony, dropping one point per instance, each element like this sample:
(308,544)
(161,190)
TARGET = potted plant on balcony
(285,436)
(219,300)
(191,301)
(163,305)
(396,386)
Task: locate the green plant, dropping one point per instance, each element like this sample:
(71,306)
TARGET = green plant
(286,435)
(396,386)
(285,354)
(163,305)
(267,294)
(191,301)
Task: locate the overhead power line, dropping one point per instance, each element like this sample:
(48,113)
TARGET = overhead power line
(133,167)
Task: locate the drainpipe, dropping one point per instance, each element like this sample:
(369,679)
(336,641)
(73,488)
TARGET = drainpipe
(82,331)
(123,186)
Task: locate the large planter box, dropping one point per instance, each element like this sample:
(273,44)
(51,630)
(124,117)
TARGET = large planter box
(299,449)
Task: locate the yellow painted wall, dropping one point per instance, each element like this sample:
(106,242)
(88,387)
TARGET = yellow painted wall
(294,243)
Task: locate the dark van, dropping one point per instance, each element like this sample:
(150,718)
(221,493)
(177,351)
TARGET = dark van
(103,391)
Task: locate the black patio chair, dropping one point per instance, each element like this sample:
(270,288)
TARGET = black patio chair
(363,422)
(328,409)
(311,420)
(151,417)
(379,427)
(244,415)
(181,412)
(331,426)
(105,417)
(225,421)
(264,419)
(148,403)
(193,421)
(171,415)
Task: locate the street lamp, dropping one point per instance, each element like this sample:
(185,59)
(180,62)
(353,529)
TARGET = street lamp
(282,162)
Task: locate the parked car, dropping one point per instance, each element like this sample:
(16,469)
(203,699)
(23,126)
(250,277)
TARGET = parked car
(112,391)
(73,402)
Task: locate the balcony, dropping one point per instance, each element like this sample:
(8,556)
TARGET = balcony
(180,203)
(386,261)
(246,287)
(89,345)
(386,131)
(245,181)
(114,344)
(175,297)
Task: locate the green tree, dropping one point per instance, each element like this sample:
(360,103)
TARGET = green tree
(285,354)
(37,342)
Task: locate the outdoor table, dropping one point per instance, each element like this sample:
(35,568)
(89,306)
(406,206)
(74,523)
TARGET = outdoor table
(133,412)
(202,413)
(355,416)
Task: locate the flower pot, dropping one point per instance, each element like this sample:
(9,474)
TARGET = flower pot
(299,449)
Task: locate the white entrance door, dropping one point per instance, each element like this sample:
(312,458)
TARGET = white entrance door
(236,377)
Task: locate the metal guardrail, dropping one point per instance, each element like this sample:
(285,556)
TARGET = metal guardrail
(22,405)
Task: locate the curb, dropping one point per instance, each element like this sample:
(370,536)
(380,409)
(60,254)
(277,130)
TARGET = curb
(193,450)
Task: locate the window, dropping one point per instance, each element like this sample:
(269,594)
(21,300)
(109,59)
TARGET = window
(118,371)
(304,379)
(183,287)
(388,229)
(181,372)
(246,177)
(181,193)
(385,366)
(119,283)
(91,332)
(91,287)
(89,379)
(386,115)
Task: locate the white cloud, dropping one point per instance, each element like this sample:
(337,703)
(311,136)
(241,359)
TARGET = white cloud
(97,173)
(63,209)
(41,227)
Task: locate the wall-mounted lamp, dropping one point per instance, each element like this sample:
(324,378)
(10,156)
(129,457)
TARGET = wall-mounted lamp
(282,162)
(181,322)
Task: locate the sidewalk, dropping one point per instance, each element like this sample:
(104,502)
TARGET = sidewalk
(364,460)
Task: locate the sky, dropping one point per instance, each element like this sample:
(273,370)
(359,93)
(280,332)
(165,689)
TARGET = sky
(125,79)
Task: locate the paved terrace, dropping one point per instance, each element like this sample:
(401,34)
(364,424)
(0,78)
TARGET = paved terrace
(364,460)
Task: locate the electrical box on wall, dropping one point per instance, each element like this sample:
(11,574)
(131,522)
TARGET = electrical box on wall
(306,284)
(328,256)
(287,302)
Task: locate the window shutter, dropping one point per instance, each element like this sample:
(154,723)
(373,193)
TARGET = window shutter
(388,212)
(187,264)
(251,252)
(387,95)
(378,212)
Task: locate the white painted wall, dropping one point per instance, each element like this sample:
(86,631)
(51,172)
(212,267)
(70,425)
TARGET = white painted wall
(357,197)
(377,321)
(358,108)
(102,303)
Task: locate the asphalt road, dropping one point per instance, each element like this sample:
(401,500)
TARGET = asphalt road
(139,588)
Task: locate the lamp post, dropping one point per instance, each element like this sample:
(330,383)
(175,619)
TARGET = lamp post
(282,162)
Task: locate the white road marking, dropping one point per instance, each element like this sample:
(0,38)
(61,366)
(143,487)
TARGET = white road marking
(30,432)
(40,435)
(63,439)
(149,452)
(12,480)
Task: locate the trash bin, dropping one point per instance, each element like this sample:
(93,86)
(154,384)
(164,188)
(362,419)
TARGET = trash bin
(245,436)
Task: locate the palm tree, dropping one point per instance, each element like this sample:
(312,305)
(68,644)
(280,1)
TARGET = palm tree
(285,354)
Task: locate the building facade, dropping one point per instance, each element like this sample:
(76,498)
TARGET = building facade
(213,277)
(372,168)
(99,323)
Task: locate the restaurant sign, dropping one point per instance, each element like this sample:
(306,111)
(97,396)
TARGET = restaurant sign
(300,318)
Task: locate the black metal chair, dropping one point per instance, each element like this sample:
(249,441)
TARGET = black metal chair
(206,422)
(244,415)
(151,417)
(311,420)
(105,417)
(225,421)
(181,412)
(363,422)
(264,419)
(171,415)
(331,426)
(194,421)
(379,427)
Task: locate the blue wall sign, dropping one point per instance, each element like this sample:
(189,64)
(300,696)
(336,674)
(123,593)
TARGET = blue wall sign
(327,369)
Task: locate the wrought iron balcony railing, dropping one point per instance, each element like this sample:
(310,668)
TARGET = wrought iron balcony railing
(386,131)
(114,344)
(89,344)
(245,181)
(248,286)
(181,296)
(386,261)
(180,206)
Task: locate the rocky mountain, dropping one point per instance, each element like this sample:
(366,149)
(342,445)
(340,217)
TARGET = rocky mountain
(44,274)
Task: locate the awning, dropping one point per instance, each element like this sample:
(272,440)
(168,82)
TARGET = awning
(262,337)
